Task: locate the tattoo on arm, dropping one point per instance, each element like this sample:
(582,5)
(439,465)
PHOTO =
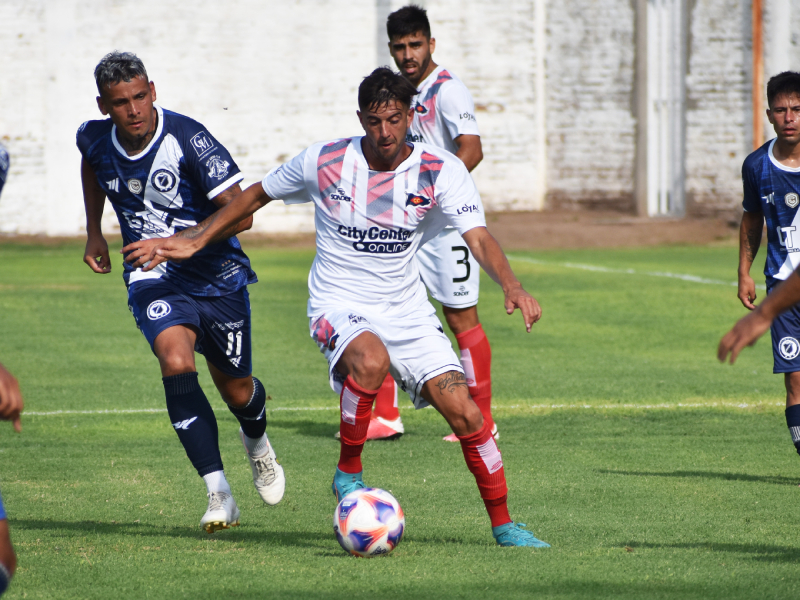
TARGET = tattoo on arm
(752,242)
(450,381)
(197,230)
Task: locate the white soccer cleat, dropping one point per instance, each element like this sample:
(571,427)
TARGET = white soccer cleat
(222,512)
(268,476)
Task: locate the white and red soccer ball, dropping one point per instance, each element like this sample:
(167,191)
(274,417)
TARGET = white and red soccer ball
(369,522)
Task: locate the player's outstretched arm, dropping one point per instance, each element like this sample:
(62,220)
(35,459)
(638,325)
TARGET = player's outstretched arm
(749,241)
(94,198)
(11,404)
(188,242)
(491,257)
(222,200)
(754,325)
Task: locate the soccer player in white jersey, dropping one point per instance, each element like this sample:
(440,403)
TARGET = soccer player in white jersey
(771,177)
(377,199)
(163,173)
(444,116)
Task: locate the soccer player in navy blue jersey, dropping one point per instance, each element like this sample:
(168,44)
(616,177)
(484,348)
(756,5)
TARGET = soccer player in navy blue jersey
(771,177)
(10,408)
(164,173)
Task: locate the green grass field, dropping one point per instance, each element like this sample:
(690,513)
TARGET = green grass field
(654,471)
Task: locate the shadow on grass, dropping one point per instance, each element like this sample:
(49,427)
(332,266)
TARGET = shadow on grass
(307,426)
(760,552)
(233,535)
(774,479)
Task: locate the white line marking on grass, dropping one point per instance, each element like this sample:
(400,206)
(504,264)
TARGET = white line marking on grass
(599,269)
(662,406)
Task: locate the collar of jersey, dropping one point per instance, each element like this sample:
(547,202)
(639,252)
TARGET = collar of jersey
(775,160)
(144,152)
(410,159)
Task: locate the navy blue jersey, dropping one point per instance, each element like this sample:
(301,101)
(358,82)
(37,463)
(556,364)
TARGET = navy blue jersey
(5,163)
(167,187)
(774,189)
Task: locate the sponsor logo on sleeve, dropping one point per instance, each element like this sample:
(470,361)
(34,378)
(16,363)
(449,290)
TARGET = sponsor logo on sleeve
(417,200)
(217,168)
(163,180)
(421,109)
(468,208)
(789,348)
(466,116)
(791,199)
(201,143)
(134,186)
(158,310)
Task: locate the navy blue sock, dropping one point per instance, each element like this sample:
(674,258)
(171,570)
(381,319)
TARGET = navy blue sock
(5,578)
(253,416)
(194,421)
(793,421)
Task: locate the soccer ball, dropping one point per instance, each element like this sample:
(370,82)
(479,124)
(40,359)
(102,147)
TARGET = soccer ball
(369,522)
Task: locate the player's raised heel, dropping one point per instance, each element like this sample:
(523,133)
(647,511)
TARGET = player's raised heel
(512,534)
(268,475)
(344,483)
(454,438)
(222,512)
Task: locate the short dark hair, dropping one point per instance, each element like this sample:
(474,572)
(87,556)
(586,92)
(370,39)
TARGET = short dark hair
(783,84)
(383,86)
(118,66)
(408,21)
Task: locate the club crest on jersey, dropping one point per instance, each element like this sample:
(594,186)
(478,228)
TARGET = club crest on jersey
(421,109)
(158,310)
(217,168)
(163,180)
(789,348)
(134,186)
(791,199)
(417,200)
(201,143)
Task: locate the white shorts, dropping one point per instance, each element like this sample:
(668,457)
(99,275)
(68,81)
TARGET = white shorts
(418,348)
(449,271)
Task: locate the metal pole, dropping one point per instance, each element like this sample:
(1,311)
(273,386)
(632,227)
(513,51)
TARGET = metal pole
(758,74)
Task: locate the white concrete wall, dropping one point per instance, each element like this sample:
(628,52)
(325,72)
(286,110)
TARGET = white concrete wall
(553,82)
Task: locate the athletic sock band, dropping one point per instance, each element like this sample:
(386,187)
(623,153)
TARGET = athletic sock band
(252,417)
(193,420)
(476,358)
(793,422)
(355,406)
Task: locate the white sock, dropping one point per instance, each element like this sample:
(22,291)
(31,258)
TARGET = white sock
(216,482)
(256,446)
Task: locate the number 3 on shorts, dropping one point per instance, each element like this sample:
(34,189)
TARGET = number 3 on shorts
(464,261)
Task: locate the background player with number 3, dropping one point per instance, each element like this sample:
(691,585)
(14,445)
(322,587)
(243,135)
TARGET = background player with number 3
(771,177)
(444,115)
(164,173)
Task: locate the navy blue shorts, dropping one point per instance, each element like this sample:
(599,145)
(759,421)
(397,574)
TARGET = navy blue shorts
(785,332)
(222,323)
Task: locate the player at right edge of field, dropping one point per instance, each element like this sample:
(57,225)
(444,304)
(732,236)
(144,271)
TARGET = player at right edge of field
(771,178)
(377,198)
(11,406)
(444,116)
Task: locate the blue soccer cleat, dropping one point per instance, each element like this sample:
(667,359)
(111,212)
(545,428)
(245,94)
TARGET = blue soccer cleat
(512,534)
(344,483)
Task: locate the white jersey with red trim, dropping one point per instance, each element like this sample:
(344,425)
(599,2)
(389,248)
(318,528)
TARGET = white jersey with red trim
(371,223)
(443,110)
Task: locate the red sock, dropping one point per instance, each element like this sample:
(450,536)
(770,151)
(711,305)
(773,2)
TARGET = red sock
(486,464)
(386,401)
(476,358)
(355,406)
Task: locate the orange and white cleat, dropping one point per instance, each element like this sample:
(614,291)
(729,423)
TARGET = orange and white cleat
(382,429)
